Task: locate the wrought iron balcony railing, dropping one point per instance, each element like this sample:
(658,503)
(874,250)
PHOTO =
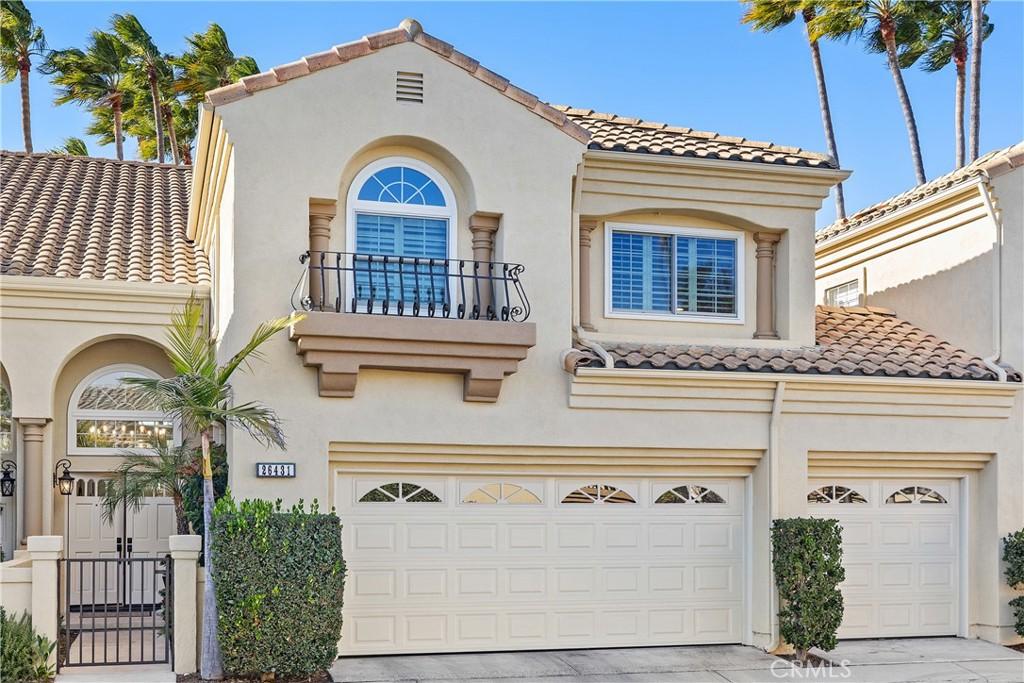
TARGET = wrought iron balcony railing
(346,282)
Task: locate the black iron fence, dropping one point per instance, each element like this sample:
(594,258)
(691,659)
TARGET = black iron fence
(114,611)
(378,284)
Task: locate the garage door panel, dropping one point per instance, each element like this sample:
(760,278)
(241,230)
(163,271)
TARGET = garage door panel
(901,558)
(451,575)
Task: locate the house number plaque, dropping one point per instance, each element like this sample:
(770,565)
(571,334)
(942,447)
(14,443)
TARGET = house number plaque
(274,470)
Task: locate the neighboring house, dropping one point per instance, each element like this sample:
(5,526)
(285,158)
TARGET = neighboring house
(948,255)
(586,449)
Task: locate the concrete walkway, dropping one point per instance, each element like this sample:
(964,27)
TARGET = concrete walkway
(868,661)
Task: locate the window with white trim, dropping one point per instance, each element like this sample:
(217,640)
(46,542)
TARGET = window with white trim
(675,272)
(6,423)
(404,208)
(107,416)
(845,295)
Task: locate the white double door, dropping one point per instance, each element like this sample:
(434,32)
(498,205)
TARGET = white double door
(519,563)
(901,552)
(142,533)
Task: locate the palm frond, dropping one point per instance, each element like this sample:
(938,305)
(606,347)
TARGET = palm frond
(264,331)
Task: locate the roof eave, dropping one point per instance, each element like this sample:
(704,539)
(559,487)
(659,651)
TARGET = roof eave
(828,176)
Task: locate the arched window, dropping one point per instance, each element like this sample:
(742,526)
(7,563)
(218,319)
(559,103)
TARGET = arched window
(400,492)
(6,423)
(512,494)
(107,417)
(598,493)
(400,207)
(915,494)
(689,494)
(835,494)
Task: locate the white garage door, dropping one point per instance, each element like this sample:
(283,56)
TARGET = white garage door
(901,554)
(512,563)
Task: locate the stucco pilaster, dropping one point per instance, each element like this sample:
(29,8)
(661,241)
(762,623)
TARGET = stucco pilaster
(765,253)
(586,228)
(321,212)
(484,226)
(33,431)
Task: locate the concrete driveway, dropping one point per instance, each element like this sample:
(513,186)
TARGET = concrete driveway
(873,661)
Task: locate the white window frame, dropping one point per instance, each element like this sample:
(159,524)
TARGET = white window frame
(855,283)
(355,205)
(739,236)
(75,414)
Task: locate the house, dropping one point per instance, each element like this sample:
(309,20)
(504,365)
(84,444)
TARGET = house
(558,373)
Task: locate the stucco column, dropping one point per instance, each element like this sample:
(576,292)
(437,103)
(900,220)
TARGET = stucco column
(586,228)
(45,551)
(321,211)
(32,432)
(184,555)
(766,242)
(484,226)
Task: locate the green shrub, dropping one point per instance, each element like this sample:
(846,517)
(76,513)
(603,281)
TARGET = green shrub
(23,652)
(279,578)
(807,558)
(192,490)
(1013,556)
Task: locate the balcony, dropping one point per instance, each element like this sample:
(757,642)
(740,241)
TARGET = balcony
(408,313)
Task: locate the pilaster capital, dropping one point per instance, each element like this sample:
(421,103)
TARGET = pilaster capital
(484,223)
(767,239)
(587,226)
(323,208)
(32,427)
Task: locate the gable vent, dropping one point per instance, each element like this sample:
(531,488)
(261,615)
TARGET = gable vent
(409,87)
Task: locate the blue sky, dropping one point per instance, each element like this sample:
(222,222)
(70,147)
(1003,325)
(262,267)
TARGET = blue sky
(687,63)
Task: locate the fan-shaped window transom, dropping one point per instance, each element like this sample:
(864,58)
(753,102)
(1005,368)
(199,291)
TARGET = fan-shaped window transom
(512,494)
(915,494)
(400,492)
(599,493)
(690,493)
(835,493)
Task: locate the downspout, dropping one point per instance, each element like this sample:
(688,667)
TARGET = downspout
(594,346)
(574,244)
(992,362)
(774,422)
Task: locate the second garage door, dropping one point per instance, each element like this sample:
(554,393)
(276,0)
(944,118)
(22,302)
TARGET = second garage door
(512,563)
(901,554)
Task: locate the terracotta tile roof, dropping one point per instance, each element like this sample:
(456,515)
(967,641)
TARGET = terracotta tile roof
(99,219)
(863,341)
(1008,157)
(623,134)
(409,31)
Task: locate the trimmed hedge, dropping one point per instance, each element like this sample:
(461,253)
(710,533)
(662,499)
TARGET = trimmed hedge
(1013,556)
(807,559)
(23,652)
(279,579)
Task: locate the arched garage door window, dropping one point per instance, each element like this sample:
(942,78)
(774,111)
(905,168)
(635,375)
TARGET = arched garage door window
(108,417)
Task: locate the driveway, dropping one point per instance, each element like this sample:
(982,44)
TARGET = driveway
(874,661)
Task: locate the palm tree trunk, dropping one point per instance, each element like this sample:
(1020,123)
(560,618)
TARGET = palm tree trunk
(158,119)
(210,667)
(958,112)
(977,18)
(180,519)
(169,119)
(24,68)
(826,121)
(115,104)
(908,111)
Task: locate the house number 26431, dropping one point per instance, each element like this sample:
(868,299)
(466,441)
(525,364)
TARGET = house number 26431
(275,469)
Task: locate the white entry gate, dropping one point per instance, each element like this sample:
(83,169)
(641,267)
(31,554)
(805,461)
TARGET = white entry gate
(514,563)
(901,551)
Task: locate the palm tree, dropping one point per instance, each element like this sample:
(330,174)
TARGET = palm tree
(884,25)
(209,63)
(20,41)
(186,126)
(768,15)
(144,56)
(979,24)
(139,476)
(200,398)
(947,33)
(94,78)
(72,147)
